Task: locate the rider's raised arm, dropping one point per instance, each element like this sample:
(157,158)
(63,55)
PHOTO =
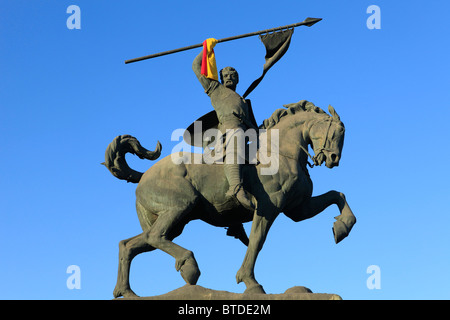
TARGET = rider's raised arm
(197,67)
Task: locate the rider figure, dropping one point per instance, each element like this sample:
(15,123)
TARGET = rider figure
(232,112)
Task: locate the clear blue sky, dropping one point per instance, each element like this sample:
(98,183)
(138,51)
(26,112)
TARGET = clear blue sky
(65,94)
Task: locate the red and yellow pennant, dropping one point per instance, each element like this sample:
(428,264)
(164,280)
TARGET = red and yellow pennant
(209,68)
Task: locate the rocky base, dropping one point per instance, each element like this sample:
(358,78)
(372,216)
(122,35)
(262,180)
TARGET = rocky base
(195,292)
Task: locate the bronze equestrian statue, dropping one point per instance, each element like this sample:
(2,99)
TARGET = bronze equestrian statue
(170,195)
(229,193)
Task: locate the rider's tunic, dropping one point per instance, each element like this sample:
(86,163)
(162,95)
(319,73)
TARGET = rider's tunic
(230,107)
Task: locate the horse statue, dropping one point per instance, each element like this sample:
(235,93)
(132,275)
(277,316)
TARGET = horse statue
(169,195)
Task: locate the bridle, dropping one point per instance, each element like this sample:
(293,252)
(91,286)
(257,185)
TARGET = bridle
(320,150)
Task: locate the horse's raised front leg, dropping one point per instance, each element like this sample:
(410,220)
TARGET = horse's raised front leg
(344,222)
(262,221)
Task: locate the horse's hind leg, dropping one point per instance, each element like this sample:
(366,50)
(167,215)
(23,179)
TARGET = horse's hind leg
(166,227)
(128,249)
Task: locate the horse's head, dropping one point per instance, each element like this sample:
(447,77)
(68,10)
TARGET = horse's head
(327,138)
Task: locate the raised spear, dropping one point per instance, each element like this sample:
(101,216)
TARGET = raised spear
(308,22)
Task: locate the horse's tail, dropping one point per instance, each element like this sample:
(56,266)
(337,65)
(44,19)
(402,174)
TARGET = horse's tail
(115,157)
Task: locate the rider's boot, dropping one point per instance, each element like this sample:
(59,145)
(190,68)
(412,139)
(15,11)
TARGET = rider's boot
(236,190)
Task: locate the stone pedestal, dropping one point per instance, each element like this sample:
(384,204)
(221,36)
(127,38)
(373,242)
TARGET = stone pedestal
(195,292)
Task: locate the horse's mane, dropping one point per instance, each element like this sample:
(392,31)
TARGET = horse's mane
(292,108)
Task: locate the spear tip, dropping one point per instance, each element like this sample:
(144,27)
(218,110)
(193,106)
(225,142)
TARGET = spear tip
(311,21)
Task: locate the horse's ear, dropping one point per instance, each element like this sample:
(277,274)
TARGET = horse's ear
(333,112)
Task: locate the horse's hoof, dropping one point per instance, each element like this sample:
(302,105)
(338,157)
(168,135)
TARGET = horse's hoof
(189,271)
(127,293)
(340,231)
(255,289)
